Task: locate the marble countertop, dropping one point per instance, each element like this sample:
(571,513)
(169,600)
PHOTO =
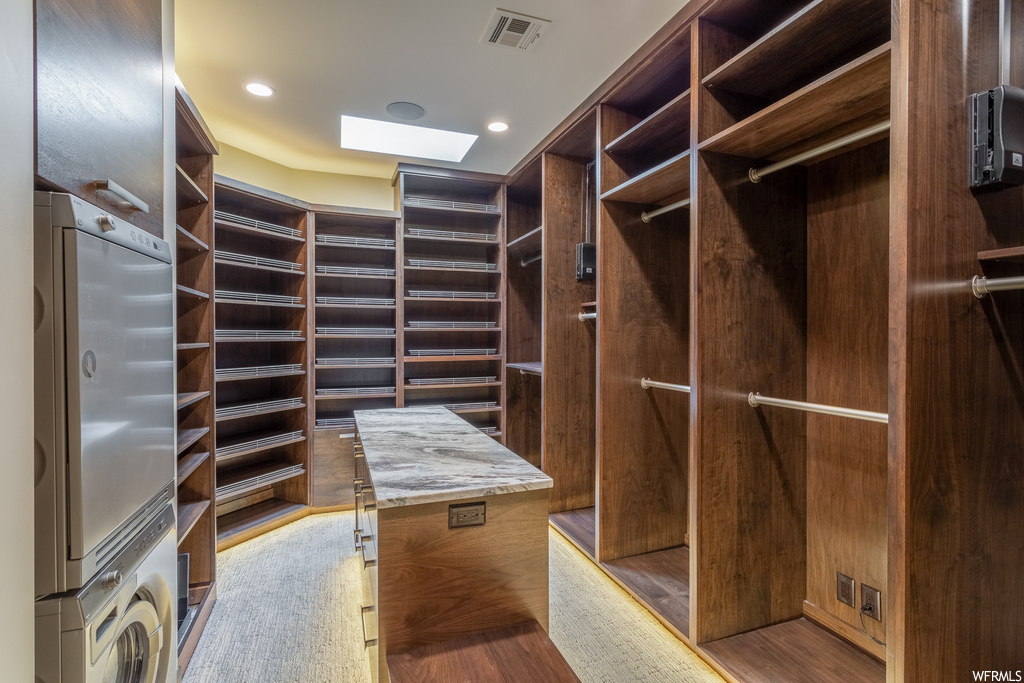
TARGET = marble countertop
(428,454)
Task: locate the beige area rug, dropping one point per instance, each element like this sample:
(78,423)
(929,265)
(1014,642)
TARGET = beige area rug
(287,611)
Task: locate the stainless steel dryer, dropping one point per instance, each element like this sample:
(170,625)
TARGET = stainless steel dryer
(120,627)
(104,367)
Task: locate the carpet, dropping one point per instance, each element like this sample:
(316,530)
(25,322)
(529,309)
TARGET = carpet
(287,611)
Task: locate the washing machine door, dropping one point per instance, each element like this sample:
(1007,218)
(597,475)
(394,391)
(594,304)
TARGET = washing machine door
(135,655)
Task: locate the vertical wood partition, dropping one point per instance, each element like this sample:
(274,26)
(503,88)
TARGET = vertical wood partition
(847,329)
(956,472)
(643,312)
(569,343)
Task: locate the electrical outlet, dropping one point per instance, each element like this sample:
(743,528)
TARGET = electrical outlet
(844,588)
(467,514)
(871,601)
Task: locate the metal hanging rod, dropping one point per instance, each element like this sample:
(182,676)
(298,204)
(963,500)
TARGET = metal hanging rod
(982,286)
(646,216)
(1005,42)
(756,400)
(533,259)
(756,174)
(587,316)
(651,384)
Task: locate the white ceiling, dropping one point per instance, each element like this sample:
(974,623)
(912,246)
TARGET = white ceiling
(331,57)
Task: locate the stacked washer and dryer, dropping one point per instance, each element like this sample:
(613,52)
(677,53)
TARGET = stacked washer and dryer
(106,541)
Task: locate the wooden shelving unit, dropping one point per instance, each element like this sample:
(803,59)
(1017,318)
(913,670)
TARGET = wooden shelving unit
(452,245)
(262,317)
(355,258)
(195,361)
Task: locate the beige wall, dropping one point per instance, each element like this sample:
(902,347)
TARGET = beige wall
(16,484)
(311,186)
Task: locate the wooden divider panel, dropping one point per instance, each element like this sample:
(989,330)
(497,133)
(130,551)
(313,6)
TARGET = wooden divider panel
(643,313)
(569,344)
(747,563)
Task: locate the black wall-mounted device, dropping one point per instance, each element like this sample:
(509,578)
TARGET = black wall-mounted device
(997,138)
(182,606)
(586,261)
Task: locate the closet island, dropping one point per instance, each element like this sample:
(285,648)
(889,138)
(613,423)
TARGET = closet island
(451,528)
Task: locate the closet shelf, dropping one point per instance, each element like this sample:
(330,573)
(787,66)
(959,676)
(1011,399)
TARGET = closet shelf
(190,242)
(453,329)
(188,398)
(1008,254)
(188,515)
(189,292)
(442,269)
(353,242)
(245,444)
(187,188)
(818,35)
(251,521)
(257,299)
(665,183)
(350,397)
(190,463)
(257,372)
(236,411)
(238,481)
(226,258)
(441,205)
(355,276)
(449,387)
(233,223)
(527,245)
(668,127)
(855,96)
(187,437)
(450,359)
(451,237)
(458,299)
(527,368)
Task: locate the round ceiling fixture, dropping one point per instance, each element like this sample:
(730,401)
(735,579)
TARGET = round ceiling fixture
(407,111)
(259,89)
(497,126)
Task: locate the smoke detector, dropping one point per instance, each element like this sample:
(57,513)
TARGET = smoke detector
(513,30)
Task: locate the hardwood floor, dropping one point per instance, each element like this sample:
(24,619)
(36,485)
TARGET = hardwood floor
(794,652)
(516,653)
(661,581)
(578,526)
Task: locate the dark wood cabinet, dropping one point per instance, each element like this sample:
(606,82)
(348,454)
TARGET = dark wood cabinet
(99,104)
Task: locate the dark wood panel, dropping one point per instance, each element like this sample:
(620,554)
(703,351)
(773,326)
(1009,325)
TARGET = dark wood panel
(661,581)
(99,102)
(847,350)
(643,313)
(249,522)
(794,652)
(333,469)
(437,583)
(579,526)
(748,544)
(523,416)
(569,345)
(955,381)
(518,653)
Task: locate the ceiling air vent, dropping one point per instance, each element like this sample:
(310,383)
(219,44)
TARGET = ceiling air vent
(514,30)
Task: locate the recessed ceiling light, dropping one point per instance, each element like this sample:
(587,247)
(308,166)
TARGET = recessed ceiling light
(404,140)
(259,89)
(407,111)
(497,126)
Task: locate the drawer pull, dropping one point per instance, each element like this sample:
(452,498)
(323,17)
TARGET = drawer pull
(358,539)
(367,640)
(368,561)
(112,187)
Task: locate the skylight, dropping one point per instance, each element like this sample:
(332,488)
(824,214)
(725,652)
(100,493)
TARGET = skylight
(404,140)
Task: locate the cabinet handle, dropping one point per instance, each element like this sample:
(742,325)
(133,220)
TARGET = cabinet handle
(358,538)
(367,642)
(112,187)
(371,562)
